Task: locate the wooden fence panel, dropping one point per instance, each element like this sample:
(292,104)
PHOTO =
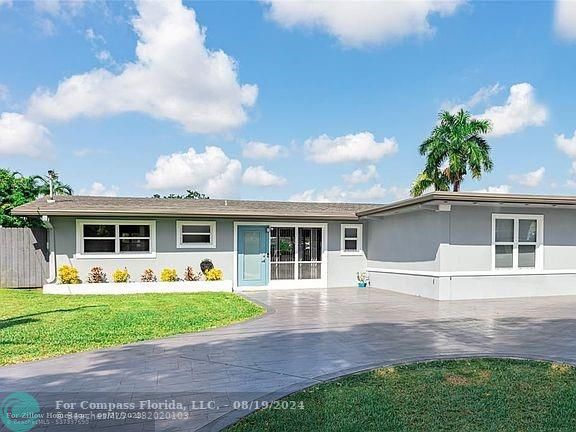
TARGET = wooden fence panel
(23,257)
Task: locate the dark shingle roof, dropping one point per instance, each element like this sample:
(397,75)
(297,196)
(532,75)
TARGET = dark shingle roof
(124,206)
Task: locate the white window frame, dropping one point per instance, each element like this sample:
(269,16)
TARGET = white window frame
(181,245)
(358,238)
(539,243)
(117,254)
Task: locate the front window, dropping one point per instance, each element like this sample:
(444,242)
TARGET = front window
(351,239)
(125,237)
(517,241)
(196,234)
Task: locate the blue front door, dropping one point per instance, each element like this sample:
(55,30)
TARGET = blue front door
(252,255)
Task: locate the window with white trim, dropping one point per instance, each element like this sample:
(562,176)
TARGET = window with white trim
(192,234)
(116,237)
(517,241)
(351,238)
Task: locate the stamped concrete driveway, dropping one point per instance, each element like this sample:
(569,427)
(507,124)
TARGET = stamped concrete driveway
(307,337)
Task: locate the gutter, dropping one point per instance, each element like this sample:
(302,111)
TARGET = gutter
(53,266)
(171,213)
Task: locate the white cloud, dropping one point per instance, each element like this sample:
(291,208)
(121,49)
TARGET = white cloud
(566,144)
(358,147)
(21,136)
(86,151)
(502,189)
(530,179)
(374,193)
(98,189)
(92,36)
(211,172)
(359,23)
(484,94)
(565,19)
(520,111)
(261,150)
(60,8)
(174,77)
(359,176)
(7,3)
(481,96)
(399,193)
(259,176)
(104,56)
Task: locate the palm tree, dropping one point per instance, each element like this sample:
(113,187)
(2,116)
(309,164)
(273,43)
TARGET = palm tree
(437,180)
(43,185)
(455,148)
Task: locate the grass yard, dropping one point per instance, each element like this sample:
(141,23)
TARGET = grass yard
(35,326)
(474,395)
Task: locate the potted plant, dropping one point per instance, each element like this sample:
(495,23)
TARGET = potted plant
(206,265)
(363,279)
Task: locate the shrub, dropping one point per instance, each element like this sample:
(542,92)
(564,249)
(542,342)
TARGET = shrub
(206,265)
(121,275)
(190,275)
(68,275)
(148,276)
(96,275)
(214,274)
(169,275)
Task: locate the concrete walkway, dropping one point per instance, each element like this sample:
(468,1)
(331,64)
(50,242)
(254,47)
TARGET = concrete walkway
(307,337)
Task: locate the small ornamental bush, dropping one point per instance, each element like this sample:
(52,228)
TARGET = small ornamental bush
(121,275)
(68,275)
(169,275)
(148,276)
(214,274)
(190,275)
(206,265)
(97,275)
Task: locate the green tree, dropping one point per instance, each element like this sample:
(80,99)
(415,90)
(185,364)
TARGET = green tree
(59,188)
(455,148)
(17,189)
(190,194)
(437,180)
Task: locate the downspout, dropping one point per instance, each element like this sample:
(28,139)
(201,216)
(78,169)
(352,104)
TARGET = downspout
(52,249)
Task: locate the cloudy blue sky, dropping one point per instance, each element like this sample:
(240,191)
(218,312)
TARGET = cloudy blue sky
(279,99)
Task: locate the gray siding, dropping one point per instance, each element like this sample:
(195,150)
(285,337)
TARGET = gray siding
(341,269)
(167,254)
(433,247)
(471,238)
(407,241)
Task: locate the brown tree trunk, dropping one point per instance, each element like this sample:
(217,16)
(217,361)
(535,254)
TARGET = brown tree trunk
(457,186)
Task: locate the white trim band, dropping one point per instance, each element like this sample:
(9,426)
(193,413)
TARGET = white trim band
(479,273)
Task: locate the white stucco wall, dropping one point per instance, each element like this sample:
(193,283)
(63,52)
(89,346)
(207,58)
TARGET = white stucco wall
(462,266)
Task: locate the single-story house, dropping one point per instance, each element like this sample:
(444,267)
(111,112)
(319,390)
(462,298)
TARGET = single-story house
(443,245)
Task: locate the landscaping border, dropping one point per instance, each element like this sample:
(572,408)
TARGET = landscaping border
(113,288)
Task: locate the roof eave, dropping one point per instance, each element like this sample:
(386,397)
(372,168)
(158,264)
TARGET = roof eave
(172,213)
(459,197)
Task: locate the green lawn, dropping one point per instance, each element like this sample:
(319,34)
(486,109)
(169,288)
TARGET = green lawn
(475,395)
(35,326)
